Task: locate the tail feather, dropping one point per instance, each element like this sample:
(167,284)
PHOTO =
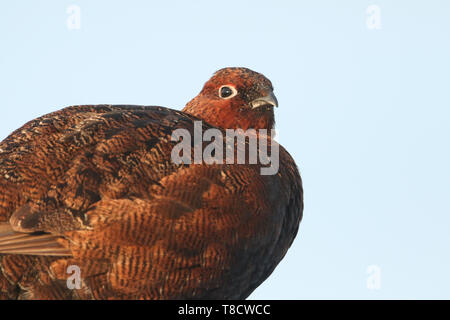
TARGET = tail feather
(12,242)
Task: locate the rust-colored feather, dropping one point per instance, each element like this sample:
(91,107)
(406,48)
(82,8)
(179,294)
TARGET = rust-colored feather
(95,187)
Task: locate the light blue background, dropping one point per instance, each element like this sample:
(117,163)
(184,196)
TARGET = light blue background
(365,113)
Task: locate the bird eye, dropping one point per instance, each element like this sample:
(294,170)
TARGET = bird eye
(226,92)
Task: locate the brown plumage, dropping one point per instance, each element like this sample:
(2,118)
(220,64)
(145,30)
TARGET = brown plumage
(95,187)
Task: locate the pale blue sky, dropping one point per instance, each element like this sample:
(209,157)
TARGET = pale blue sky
(365,113)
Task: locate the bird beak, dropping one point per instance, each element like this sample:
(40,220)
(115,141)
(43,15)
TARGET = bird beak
(267,101)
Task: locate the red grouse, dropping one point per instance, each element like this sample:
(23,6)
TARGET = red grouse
(95,187)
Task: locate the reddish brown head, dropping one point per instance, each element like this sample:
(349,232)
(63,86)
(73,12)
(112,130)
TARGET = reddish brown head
(235,98)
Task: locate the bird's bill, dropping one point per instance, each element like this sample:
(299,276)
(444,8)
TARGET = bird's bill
(268,101)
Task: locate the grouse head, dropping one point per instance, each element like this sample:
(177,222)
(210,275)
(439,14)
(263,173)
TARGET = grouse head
(236,98)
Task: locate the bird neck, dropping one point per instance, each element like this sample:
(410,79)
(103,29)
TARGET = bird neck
(233,118)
